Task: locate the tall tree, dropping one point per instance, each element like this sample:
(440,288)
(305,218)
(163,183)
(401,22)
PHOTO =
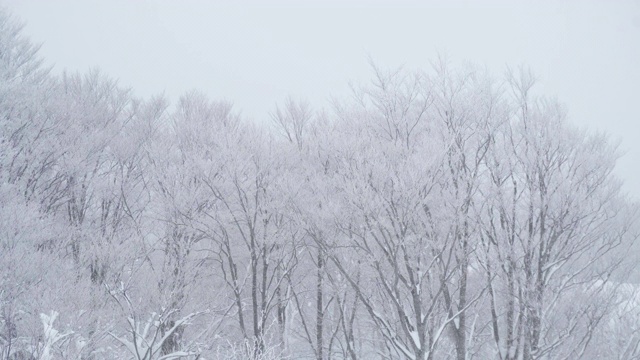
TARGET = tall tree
(553,214)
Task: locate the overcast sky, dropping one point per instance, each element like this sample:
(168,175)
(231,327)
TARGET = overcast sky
(587,53)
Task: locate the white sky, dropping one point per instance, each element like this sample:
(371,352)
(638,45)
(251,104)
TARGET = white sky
(587,53)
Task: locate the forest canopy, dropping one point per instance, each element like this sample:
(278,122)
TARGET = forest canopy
(433,214)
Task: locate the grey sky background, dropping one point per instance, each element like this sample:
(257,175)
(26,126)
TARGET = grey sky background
(586,53)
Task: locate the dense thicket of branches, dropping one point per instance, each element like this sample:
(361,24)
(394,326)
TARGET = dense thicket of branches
(434,214)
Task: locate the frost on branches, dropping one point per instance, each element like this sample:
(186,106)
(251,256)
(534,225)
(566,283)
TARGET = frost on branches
(432,214)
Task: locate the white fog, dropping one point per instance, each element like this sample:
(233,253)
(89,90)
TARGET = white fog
(319,180)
